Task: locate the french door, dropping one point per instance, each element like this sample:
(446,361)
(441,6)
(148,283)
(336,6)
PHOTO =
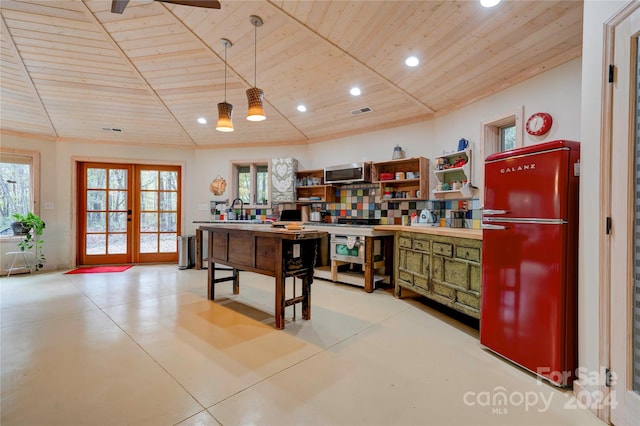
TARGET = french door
(128,213)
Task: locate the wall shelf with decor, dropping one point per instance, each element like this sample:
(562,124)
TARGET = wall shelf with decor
(310,187)
(453,176)
(405,179)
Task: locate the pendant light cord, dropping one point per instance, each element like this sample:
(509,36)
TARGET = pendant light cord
(225,72)
(255,54)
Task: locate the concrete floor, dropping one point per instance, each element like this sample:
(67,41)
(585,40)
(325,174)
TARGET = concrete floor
(145,347)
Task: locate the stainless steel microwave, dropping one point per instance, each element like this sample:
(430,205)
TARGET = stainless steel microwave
(348,173)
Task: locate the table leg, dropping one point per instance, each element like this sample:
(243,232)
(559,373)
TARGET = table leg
(280,283)
(198,248)
(306,294)
(212,278)
(369,270)
(236,281)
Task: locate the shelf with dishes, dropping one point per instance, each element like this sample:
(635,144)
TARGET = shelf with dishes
(310,187)
(453,176)
(404,179)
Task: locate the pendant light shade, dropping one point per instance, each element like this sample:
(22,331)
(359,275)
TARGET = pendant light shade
(225,123)
(255,96)
(225,109)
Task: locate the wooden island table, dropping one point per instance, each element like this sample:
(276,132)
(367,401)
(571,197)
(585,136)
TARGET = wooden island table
(266,250)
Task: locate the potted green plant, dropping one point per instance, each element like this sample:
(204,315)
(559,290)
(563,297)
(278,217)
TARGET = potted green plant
(34,227)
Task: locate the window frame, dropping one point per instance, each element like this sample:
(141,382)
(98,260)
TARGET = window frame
(253,167)
(490,133)
(34,180)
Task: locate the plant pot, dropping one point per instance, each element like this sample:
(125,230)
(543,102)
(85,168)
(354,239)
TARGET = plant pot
(19,228)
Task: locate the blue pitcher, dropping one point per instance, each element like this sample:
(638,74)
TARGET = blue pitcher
(463,144)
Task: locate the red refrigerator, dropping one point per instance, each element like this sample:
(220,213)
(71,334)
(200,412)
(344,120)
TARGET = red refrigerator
(530,258)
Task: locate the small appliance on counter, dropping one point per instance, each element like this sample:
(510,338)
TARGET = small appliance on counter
(427,218)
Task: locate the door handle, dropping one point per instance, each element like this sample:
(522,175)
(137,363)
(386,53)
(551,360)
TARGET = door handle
(493,227)
(490,211)
(129,211)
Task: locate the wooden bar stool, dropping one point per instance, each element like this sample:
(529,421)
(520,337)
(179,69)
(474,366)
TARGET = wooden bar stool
(17,255)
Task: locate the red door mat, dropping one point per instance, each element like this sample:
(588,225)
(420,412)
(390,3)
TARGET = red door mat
(99,269)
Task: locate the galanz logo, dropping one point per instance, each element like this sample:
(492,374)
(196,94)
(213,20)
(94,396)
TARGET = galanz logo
(531,166)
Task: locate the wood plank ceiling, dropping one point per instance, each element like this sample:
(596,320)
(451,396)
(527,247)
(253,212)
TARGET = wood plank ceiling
(71,68)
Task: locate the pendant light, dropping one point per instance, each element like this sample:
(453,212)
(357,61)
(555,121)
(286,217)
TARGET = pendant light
(225,109)
(255,96)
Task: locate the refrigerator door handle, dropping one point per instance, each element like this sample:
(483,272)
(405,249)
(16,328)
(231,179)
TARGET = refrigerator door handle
(491,211)
(494,227)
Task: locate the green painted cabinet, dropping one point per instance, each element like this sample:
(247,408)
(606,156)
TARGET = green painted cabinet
(445,269)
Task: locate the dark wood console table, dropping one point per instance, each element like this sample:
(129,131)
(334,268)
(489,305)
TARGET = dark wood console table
(275,252)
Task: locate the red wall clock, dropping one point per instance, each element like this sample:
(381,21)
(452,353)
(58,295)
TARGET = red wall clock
(539,123)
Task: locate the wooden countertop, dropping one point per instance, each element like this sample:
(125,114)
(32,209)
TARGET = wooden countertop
(265,229)
(474,234)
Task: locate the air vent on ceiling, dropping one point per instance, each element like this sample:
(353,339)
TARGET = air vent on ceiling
(112,129)
(362,110)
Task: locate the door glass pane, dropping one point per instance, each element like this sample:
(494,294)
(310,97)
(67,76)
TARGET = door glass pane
(96,244)
(117,200)
(148,222)
(96,222)
(168,222)
(96,178)
(168,201)
(148,243)
(118,222)
(168,243)
(96,200)
(636,251)
(117,243)
(148,201)
(169,181)
(149,179)
(118,179)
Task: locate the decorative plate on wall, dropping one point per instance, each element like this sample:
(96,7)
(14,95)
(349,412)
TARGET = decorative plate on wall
(218,185)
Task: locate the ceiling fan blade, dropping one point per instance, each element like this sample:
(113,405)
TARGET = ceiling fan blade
(117,6)
(210,4)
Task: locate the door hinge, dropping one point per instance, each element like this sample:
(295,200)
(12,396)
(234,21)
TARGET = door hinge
(608,225)
(607,377)
(612,70)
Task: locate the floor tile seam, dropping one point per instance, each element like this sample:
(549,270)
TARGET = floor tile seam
(196,414)
(311,356)
(162,367)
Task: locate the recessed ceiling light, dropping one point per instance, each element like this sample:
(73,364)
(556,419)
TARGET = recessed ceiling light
(202,120)
(489,3)
(412,61)
(302,108)
(355,91)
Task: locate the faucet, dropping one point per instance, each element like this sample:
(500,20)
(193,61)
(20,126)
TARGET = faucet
(233,203)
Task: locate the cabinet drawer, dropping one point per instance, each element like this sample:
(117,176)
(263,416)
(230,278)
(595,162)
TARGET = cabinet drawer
(444,290)
(421,282)
(468,299)
(442,249)
(468,253)
(422,243)
(404,241)
(406,277)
